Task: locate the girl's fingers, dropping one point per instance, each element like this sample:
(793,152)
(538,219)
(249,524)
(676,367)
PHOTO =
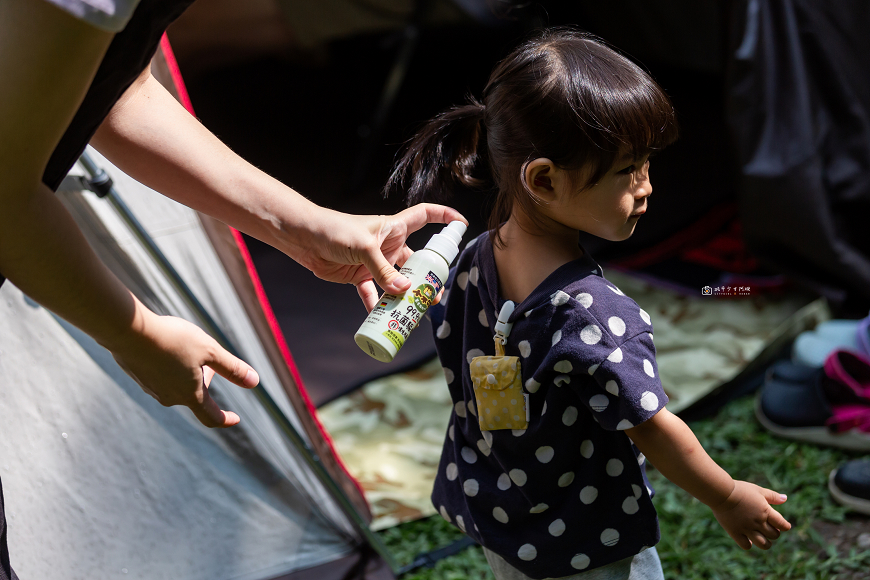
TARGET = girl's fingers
(760,541)
(772,497)
(776,520)
(769,531)
(742,541)
(231,368)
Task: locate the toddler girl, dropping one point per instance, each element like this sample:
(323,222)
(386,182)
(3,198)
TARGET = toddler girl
(543,463)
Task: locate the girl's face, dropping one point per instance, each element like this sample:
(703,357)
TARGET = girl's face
(609,209)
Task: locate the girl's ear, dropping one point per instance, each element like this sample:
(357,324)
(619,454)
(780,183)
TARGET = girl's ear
(541,176)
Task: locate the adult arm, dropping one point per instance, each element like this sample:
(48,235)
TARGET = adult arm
(47,61)
(152,138)
(742,508)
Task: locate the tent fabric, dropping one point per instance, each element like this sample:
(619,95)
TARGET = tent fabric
(100,479)
(799,110)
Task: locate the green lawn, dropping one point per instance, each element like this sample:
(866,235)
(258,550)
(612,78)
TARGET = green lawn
(693,546)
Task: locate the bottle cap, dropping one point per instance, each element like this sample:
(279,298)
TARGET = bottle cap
(446,243)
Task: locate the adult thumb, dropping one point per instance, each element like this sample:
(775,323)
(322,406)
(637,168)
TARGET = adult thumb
(385,274)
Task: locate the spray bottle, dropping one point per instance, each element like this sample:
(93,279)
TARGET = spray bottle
(394,317)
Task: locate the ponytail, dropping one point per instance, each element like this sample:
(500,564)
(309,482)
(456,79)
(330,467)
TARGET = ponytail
(445,151)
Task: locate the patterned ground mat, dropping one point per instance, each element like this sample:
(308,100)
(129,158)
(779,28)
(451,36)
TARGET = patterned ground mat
(390,432)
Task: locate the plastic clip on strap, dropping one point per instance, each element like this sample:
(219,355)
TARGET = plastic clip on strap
(503,327)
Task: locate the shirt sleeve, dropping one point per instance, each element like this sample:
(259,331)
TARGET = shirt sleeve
(626,390)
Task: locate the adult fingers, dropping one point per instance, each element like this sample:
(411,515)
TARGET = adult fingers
(207,374)
(231,368)
(421,214)
(368,293)
(385,274)
(404,255)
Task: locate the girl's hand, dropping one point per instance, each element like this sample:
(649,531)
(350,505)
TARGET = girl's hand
(748,518)
(174,362)
(361,249)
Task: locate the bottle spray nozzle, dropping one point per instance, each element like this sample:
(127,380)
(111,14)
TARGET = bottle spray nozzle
(446,242)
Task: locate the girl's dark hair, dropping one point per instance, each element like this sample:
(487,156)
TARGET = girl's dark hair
(562,95)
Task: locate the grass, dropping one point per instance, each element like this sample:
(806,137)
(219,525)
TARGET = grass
(693,546)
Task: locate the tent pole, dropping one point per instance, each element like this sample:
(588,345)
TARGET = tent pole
(101,184)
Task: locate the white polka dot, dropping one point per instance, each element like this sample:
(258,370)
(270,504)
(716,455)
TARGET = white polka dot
(473,275)
(504,481)
(459,408)
(645,316)
(641,458)
(599,402)
(637,491)
(468,455)
(544,454)
(473,353)
(563,366)
(462,280)
(500,515)
(648,491)
(471,487)
(617,325)
(584,299)
(587,448)
(614,467)
(461,523)
(443,330)
(615,356)
(566,479)
(539,509)
(591,334)
(592,369)
(649,401)
(557,528)
(630,506)
(471,243)
(612,388)
(532,385)
(648,368)
(559,298)
(616,290)
(487,436)
(525,348)
(561,380)
(649,334)
(443,512)
(580,562)
(557,336)
(471,408)
(527,552)
(484,448)
(588,494)
(450,433)
(518,432)
(448,375)
(609,537)
(544,408)
(452,471)
(518,476)
(569,417)
(623,425)
(481,316)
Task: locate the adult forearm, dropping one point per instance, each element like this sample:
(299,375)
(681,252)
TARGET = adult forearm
(673,449)
(152,138)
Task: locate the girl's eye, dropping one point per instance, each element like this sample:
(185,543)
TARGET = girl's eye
(628,170)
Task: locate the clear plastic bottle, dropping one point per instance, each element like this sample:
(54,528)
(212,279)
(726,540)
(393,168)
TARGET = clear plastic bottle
(388,326)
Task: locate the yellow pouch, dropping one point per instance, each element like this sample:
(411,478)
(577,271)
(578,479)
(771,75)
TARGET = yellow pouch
(498,390)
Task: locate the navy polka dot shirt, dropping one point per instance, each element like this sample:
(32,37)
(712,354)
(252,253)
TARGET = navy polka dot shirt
(569,493)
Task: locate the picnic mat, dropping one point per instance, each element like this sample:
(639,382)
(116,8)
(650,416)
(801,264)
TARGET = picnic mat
(390,432)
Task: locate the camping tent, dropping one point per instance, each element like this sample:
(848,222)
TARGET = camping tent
(101,481)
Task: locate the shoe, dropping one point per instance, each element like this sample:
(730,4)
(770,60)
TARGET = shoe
(850,369)
(811,348)
(849,485)
(810,406)
(862,336)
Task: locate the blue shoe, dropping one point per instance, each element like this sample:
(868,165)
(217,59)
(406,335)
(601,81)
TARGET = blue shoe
(849,485)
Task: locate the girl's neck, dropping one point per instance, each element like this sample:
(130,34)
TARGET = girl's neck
(531,252)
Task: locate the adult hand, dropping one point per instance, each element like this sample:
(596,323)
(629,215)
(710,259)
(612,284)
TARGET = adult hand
(361,249)
(174,362)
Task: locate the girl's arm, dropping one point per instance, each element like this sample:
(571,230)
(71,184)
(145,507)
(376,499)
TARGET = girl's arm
(742,508)
(152,138)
